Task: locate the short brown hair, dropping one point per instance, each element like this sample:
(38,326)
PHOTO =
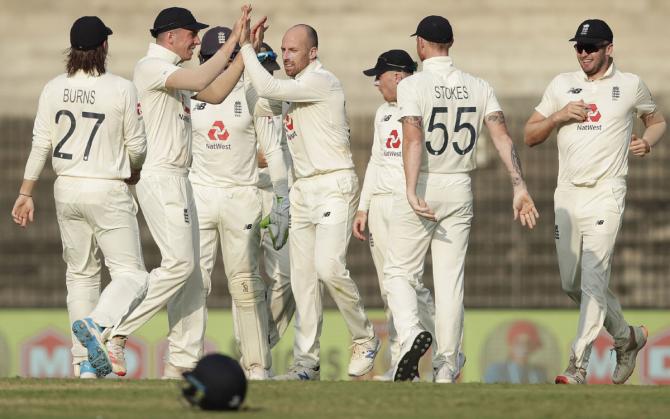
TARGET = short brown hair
(93,62)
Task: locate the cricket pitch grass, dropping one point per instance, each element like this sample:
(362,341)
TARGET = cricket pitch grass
(106,399)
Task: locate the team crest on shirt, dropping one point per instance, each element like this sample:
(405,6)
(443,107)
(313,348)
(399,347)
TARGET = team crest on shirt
(616,93)
(237,108)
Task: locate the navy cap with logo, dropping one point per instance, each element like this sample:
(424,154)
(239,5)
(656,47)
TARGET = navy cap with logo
(435,29)
(593,31)
(88,32)
(393,60)
(175,18)
(268,57)
(216,383)
(213,39)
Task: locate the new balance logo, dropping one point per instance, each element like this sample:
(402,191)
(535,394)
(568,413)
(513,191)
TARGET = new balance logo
(600,222)
(326,214)
(575,90)
(200,106)
(248,226)
(386,118)
(187,220)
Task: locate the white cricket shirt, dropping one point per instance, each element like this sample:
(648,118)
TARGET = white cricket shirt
(316,126)
(453,105)
(597,148)
(90,125)
(167,112)
(384,173)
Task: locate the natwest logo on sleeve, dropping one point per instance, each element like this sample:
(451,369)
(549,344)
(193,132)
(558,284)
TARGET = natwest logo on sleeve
(47,355)
(654,360)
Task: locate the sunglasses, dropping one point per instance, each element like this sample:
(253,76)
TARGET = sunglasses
(267,55)
(589,48)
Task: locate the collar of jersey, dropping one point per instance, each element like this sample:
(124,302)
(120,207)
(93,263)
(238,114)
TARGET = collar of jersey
(609,73)
(314,65)
(438,62)
(158,51)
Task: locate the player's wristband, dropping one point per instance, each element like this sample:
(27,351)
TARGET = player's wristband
(23,194)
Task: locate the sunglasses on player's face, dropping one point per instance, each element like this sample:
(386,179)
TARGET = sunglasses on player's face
(589,48)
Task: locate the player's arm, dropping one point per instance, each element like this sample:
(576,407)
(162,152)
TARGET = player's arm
(412,149)
(539,127)
(523,205)
(217,91)
(134,136)
(369,185)
(655,126)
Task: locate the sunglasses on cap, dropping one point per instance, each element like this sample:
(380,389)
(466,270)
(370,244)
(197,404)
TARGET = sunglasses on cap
(267,55)
(590,48)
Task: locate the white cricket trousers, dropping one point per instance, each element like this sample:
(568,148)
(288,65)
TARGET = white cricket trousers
(232,215)
(450,197)
(166,199)
(587,222)
(99,214)
(379,221)
(278,271)
(322,210)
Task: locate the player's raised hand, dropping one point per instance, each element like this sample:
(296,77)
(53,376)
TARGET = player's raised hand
(575,111)
(420,207)
(243,26)
(639,146)
(524,208)
(23,211)
(258,32)
(358,228)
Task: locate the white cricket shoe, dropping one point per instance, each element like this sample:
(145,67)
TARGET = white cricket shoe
(444,375)
(298,373)
(411,351)
(626,354)
(363,357)
(117,357)
(258,373)
(172,372)
(572,374)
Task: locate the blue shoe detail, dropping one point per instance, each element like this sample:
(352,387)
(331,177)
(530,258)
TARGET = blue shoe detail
(86,370)
(303,375)
(89,335)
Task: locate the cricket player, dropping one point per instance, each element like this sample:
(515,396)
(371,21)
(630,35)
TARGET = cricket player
(323,197)
(384,176)
(224,175)
(90,123)
(164,192)
(592,110)
(442,110)
(275,262)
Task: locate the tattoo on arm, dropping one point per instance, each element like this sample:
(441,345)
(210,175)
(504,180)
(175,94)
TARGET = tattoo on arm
(417,121)
(647,118)
(517,175)
(496,117)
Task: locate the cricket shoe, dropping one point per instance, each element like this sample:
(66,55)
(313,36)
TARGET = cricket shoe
(387,376)
(444,375)
(626,354)
(300,373)
(86,370)
(115,351)
(572,374)
(363,357)
(89,335)
(258,373)
(173,372)
(411,352)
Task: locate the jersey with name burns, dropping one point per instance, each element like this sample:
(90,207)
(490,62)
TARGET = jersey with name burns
(92,127)
(452,105)
(598,147)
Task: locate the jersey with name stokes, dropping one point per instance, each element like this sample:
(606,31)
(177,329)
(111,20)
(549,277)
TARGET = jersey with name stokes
(167,112)
(598,147)
(453,105)
(91,124)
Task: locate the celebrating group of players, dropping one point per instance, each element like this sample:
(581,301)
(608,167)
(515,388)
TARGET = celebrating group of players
(192,140)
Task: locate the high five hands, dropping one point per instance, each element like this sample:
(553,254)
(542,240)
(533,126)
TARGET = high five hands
(251,34)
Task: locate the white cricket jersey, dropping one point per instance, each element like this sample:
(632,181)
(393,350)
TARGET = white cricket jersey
(384,174)
(316,126)
(93,126)
(598,147)
(167,112)
(453,105)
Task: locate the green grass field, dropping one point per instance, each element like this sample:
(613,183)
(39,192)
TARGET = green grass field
(51,398)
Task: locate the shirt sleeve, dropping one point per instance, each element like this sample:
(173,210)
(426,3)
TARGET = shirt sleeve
(133,128)
(269,136)
(644,103)
(408,100)
(370,180)
(548,105)
(41,146)
(492,104)
(310,88)
(154,73)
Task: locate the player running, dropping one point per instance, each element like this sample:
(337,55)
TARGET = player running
(89,121)
(224,175)
(442,110)
(323,198)
(592,110)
